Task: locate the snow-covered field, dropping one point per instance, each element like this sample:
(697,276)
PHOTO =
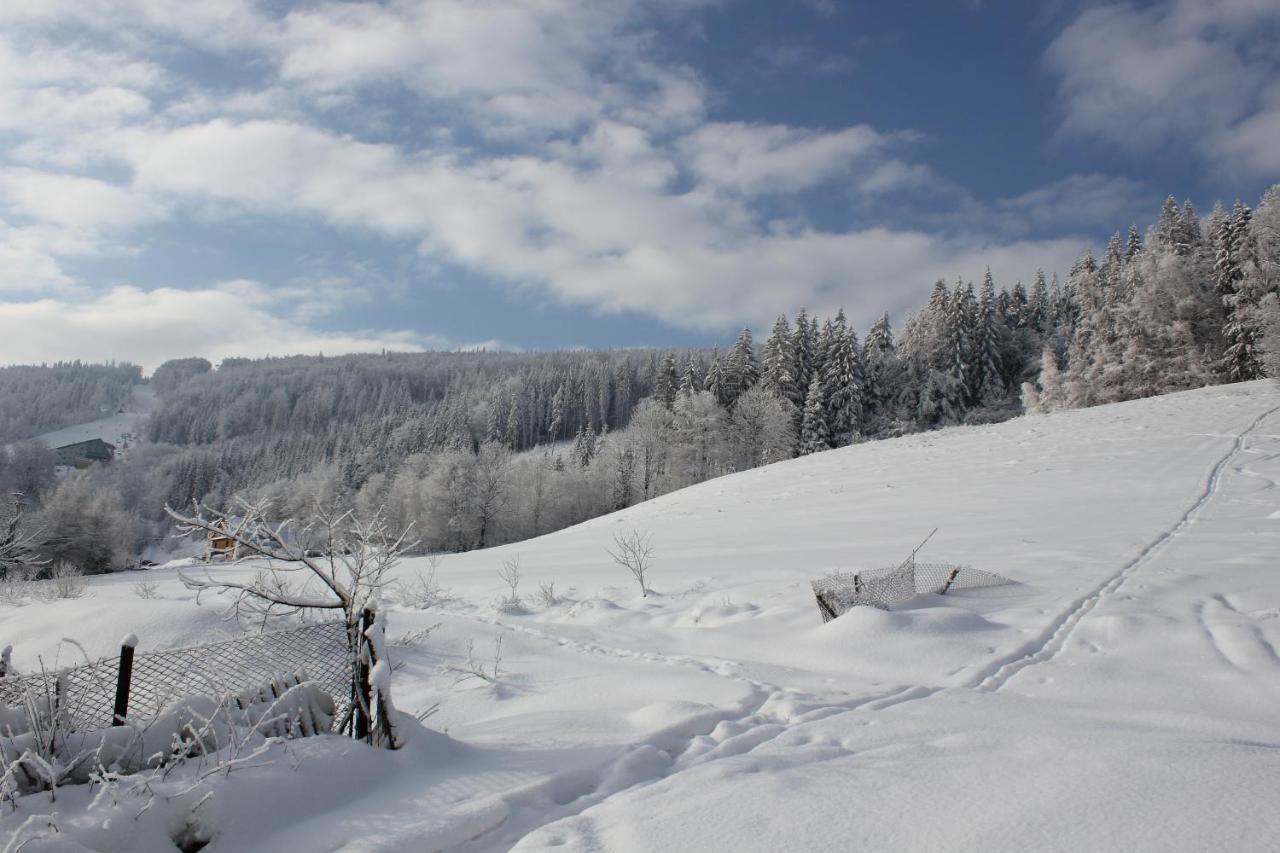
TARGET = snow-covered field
(1122,695)
(121,429)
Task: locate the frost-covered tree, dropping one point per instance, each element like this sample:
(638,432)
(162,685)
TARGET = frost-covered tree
(667,383)
(741,371)
(814,436)
(760,429)
(85,525)
(805,346)
(779,372)
(697,450)
(988,379)
(842,382)
(689,382)
(18,554)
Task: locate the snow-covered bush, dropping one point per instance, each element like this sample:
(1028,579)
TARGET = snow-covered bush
(422,591)
(66,581)
(547,596)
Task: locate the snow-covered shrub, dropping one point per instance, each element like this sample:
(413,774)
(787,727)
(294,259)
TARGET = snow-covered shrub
(146,589)
(66,581)
(547,596)
(472,667)
(422,591)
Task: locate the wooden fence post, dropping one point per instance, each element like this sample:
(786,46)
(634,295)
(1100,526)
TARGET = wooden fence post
(123,678)
(950,580)
(364,696)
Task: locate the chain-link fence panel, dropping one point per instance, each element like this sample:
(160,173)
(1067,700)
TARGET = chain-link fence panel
(838,592)
(86,694)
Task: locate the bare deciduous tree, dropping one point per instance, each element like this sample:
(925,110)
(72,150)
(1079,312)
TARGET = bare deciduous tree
(634,552)
(17,546)
(346,574)
(510,574)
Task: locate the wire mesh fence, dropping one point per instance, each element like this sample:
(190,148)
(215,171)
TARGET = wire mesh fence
(838,592)
(317,653)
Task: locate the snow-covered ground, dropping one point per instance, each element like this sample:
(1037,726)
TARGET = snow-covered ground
(122,429)
(1122,695)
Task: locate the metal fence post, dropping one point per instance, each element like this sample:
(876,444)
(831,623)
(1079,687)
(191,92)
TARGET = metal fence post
(123,678)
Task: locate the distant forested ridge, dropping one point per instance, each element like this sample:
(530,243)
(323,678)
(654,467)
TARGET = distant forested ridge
(257,421)
(476,449)
(36,399)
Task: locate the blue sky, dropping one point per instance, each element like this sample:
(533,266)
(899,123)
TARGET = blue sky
(265,177)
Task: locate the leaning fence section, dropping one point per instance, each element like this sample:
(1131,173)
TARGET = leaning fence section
(839,592)
(90,694)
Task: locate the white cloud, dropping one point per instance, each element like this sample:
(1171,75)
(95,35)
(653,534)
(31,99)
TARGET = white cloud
(1077,201)
(756,158)
(74,202)
(148,327)
(607,187)
(1190,73)
(563,63)
(27,261)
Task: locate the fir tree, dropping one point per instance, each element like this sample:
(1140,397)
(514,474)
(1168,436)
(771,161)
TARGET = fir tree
(741,372)
(989,385)
(814,436)
(842,383)
(779,374)
(689,384)
(667,382)
(805,347)
(715,384)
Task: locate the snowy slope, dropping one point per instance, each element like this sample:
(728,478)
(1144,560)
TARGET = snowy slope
(1120,696)
(121,429)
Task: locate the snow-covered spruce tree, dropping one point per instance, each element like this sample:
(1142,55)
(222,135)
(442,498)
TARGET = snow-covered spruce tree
(805,345)
(623,488)
(842,383)
(814,436)
(988,376)
(556,417)
(716,384)
(689,382)
(347,577)
(667,383)
(959,327)
(741,371)
(1038,308)
(779,372)
(882,376)
(1250,331)
(1242,359)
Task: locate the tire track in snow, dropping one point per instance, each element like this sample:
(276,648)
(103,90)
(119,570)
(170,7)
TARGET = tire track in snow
(1055,637)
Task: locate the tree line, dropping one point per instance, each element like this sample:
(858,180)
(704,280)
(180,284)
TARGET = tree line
(477,449)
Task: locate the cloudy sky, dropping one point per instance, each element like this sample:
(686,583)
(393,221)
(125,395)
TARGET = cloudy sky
(255,177)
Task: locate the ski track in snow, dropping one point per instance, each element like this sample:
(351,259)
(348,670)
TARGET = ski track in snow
(1055,637)
(723,733)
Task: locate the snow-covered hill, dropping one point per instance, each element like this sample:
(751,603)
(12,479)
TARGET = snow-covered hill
(123,429)
(1121,695)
